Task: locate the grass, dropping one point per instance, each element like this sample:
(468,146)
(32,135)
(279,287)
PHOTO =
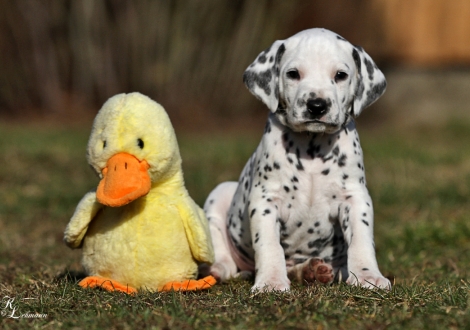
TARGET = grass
(419,180)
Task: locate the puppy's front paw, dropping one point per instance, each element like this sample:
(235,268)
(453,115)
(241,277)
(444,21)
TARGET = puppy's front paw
(368,279)
(271,283)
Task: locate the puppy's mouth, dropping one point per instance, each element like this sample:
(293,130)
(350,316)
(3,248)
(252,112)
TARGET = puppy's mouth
(317,126)
(325,123)
(316,121)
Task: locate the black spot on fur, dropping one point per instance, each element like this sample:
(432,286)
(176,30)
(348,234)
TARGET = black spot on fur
(301,102)
(325,159)
(262,79)
(365,222)
(240,214)
(357,59)
(342,160)
(311,151)
(252,213)
(267,128)
(319,243)
(299,165)
(370,68)
(325,172)
(375,92)
(279,54)
(360,85)
(285,136)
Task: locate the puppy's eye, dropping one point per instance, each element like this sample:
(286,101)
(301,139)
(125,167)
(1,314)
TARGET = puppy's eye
(140,143)
(340,76)
(104,144)
(293,74)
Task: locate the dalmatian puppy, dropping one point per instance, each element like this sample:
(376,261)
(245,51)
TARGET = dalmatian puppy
(301,210)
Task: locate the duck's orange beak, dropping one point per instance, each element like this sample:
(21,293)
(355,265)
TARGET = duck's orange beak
(125,179)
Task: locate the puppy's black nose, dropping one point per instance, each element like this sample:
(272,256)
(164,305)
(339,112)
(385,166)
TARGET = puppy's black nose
(317,107)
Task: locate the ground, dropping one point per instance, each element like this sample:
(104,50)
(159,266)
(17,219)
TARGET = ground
(419,180)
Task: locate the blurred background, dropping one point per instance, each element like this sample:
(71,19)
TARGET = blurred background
(61,60)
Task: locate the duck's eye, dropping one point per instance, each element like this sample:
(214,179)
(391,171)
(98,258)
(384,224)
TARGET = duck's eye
(293,74)
(340,76)
(104,144)
(140,143)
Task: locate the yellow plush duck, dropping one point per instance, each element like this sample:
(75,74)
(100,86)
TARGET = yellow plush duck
(140,229)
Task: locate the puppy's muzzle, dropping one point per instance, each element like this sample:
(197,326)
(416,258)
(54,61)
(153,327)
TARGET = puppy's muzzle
(317,107)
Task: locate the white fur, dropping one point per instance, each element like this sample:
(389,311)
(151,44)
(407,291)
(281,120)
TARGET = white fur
(303,192)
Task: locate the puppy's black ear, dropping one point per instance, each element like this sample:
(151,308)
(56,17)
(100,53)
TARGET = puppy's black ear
(370,81)
(262,76)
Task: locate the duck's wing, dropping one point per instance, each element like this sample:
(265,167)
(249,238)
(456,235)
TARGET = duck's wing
(86,210)
(197,231)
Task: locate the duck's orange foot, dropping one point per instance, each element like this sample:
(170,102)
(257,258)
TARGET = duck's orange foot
(189,285)
(105,283)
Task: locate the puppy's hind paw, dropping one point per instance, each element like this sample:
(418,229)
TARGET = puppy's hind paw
(221,272)
(312,270)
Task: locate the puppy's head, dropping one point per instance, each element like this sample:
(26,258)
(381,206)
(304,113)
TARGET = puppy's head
(315,81)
